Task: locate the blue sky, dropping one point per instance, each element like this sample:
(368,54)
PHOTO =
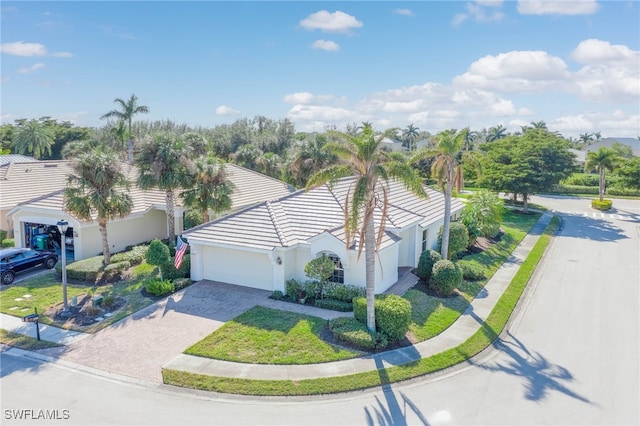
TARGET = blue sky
(437,65)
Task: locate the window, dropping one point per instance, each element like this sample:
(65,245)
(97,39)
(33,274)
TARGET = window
(338,272)
(424,240)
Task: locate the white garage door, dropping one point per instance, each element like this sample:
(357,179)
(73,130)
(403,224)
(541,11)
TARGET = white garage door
(237,267)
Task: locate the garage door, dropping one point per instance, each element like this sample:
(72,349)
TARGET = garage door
(238,267)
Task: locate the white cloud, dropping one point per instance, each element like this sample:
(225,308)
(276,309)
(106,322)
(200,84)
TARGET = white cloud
(594,50)
(20,48)
(306,98)
(515,71)
(479,11)
(323,20)
(404,12)
(327,45)
(322,113)
(549,7)
(226,110)
(5,78)
(32,68)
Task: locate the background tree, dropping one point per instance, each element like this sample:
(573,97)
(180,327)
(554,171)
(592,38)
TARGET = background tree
(128,109)
(496,133)
(309,158)
(97,188)
(164,163)
(446,156)
(629,174)
(410,134)
(601,160)
(526,164)
(33,137)
(482,214)
(211,189)
(363,158)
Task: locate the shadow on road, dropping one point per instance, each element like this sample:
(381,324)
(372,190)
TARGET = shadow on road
(389,412)
(591,228)
(539,374)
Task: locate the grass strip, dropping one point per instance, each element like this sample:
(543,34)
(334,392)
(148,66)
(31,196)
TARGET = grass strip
(21,341)
(479,341)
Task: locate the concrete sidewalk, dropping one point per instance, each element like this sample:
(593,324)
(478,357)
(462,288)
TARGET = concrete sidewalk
(468,323)
(47,332)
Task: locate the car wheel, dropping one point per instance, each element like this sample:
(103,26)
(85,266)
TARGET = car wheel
(50,263)
(7,277)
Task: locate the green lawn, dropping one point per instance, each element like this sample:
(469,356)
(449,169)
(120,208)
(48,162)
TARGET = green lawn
(269,336)
(432,315)
(45,291)
(21,341)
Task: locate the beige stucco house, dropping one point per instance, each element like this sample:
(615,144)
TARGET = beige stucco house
(265,245)
(32,202)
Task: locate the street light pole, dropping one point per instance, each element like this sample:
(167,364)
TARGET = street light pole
(62,226)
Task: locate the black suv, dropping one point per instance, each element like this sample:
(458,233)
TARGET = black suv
(14,260)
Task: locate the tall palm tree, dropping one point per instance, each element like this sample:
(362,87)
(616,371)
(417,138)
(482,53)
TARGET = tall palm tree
(362,157)
(539,124)
(410,134)
(447,155)
(310,158)
(496,133)
(127,110)
(164,163)
(33,137)
(98,188)
(211,188)
(585,138)
(602,159)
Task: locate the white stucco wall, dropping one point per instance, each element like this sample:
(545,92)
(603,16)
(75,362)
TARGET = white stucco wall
(233,266)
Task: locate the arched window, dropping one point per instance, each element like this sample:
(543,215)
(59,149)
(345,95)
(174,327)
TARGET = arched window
(338,272)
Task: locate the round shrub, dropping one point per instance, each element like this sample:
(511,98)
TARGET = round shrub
(458,238)
(393,316)
(470,271)
(447,276)
(428,258)
(355,332)
(601,205)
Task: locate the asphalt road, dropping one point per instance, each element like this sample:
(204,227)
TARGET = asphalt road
(570,357)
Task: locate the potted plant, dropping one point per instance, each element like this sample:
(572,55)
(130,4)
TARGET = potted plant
(302,296)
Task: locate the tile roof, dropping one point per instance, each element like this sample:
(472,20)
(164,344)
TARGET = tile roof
(298,217)
(15,158)
(39,185)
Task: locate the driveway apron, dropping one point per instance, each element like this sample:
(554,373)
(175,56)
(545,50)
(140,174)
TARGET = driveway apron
(140,344)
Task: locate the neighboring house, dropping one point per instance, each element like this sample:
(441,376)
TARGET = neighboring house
(581,155)
(391,144)
(265,245)
(15,158)
(32,193)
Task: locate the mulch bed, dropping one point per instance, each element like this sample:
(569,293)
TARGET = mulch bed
(84,313)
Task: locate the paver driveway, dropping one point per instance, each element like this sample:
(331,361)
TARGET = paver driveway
(140,344)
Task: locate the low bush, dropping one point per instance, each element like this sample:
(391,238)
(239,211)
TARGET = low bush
(470,271)
(108,300)
(83,270)
(458,239)
(428,258)
(292,287)
(180,283)
(575,189)
(135,255)
(334,305)
(353,331)
(618,190)
(159,287)
(343,292)
(392,312)
(8,242)
(277,295)
(169,271)
(393,316)
(601,205)
(582,179)
(447,276)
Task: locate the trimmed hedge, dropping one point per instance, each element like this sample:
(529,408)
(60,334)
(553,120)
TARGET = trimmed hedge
(471,271)
(134,256)
(334,305)
(343,292)
(447,276)
(353,331)
(428,258)
(392,312)
(601,205)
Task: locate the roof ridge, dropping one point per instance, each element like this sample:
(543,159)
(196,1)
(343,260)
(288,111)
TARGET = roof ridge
(276,224)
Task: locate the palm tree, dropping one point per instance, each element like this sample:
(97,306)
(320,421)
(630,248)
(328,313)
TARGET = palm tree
(128,109)
(211,188)
(97,189)
(602,159)
(410,134)
(310,158)
(585,138)
(447,155)
(164,163)
(539,125)
(362,157)
(496,133)
(33,137)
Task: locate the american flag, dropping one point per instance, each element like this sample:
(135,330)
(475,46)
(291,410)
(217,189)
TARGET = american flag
(181,249)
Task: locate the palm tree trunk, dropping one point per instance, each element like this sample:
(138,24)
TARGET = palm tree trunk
(106,255)
(525,203)
(171,216)
(601,184)
(130,144)
(205,216)
(444,249)
(370,265)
